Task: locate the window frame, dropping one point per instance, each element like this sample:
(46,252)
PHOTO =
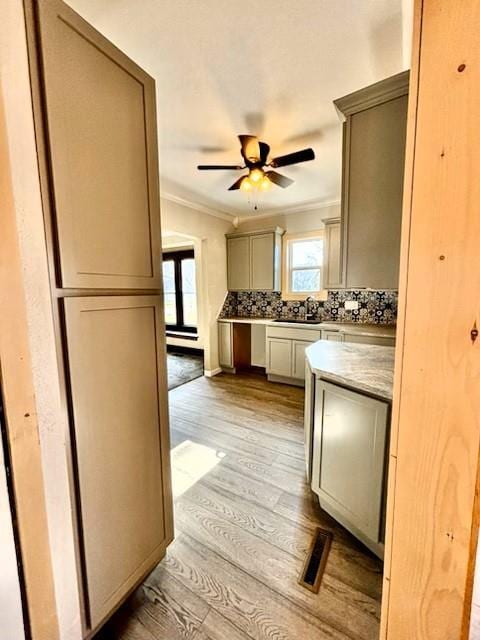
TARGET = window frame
(176,257)
(288,240)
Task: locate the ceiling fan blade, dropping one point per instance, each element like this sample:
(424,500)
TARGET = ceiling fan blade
(278,179)
(250,149)
(293,158)
(237,184)
(264,151)
(214,167)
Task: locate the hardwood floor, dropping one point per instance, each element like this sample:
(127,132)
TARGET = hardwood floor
(244,519)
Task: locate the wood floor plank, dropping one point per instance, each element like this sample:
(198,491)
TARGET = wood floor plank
(258,520)
(255,491)
(216,627)
(336,603)
(252,417)
(346,562)
(239,431)
(161,609)
(264,472)
(240,406)
(258,611)
(218,440)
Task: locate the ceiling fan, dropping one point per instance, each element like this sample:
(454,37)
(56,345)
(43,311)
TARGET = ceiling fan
(255,156)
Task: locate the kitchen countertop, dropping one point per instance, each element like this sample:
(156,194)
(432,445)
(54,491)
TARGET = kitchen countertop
(358,328)
(362,367)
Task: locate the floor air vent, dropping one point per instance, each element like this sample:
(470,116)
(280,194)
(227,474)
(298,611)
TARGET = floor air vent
(316,560)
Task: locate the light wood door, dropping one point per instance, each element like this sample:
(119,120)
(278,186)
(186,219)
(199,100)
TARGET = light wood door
(238,263)
(225,344)
(117,374)
(11,611)
(102,140)
(279,357)
(262,262)
(298,358)
(350,437)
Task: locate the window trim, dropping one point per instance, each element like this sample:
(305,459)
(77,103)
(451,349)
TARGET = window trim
(287,293)
(177,257)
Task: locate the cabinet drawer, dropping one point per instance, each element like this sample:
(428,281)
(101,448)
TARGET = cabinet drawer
(334,336)
(378,340)
(309,335)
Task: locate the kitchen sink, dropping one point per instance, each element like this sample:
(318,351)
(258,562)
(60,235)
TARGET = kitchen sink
(298,321)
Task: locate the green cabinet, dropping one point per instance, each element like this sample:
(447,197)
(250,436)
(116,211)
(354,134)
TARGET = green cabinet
(349,465)
(254,260)
(374,135)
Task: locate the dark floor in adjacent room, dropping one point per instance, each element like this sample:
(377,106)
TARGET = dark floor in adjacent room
(183,367)
(244,520)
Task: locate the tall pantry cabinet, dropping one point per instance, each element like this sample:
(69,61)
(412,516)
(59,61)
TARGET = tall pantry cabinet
(95,118)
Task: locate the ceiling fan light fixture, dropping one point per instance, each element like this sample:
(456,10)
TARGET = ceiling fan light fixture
(256,175)
(246,184)
(265,183)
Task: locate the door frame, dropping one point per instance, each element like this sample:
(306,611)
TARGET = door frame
(433,503)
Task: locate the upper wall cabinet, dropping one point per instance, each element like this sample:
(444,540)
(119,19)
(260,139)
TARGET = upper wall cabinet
(254,260)
(103,159)
(373,164)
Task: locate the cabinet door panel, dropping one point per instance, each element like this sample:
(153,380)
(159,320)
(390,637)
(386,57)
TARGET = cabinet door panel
(279,357)
(238,263)
(376,158)
(298,358)
(350,440)
(101,115)
(225,347)
(118,395)
(333,264)
(262,262)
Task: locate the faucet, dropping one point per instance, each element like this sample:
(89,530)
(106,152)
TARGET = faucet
(308,314)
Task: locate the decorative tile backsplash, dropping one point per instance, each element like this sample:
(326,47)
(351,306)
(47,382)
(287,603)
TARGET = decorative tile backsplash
(379,307)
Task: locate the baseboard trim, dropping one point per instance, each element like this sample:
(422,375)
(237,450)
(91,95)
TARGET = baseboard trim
(209,373)
(295,382)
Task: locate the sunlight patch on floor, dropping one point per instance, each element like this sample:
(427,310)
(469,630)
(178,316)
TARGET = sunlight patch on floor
(190,462)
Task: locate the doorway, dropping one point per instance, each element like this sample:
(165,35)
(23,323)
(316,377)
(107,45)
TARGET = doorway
(185,358)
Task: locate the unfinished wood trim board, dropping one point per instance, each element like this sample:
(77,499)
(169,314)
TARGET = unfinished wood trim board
(436,409)
(20,416)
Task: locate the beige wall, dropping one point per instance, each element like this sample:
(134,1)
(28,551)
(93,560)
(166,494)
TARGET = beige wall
(207,233)
(293,222)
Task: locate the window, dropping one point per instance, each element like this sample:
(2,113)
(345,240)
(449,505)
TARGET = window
(304,262)
(179,290)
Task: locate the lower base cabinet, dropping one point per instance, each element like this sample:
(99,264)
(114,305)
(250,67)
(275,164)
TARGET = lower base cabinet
(349,460)
(285,353)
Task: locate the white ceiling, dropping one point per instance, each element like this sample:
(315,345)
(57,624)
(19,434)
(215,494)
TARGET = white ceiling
(270,68)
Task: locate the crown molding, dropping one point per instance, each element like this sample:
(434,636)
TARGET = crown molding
(373,95)
(216,213)
(312,205)
(236,219)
